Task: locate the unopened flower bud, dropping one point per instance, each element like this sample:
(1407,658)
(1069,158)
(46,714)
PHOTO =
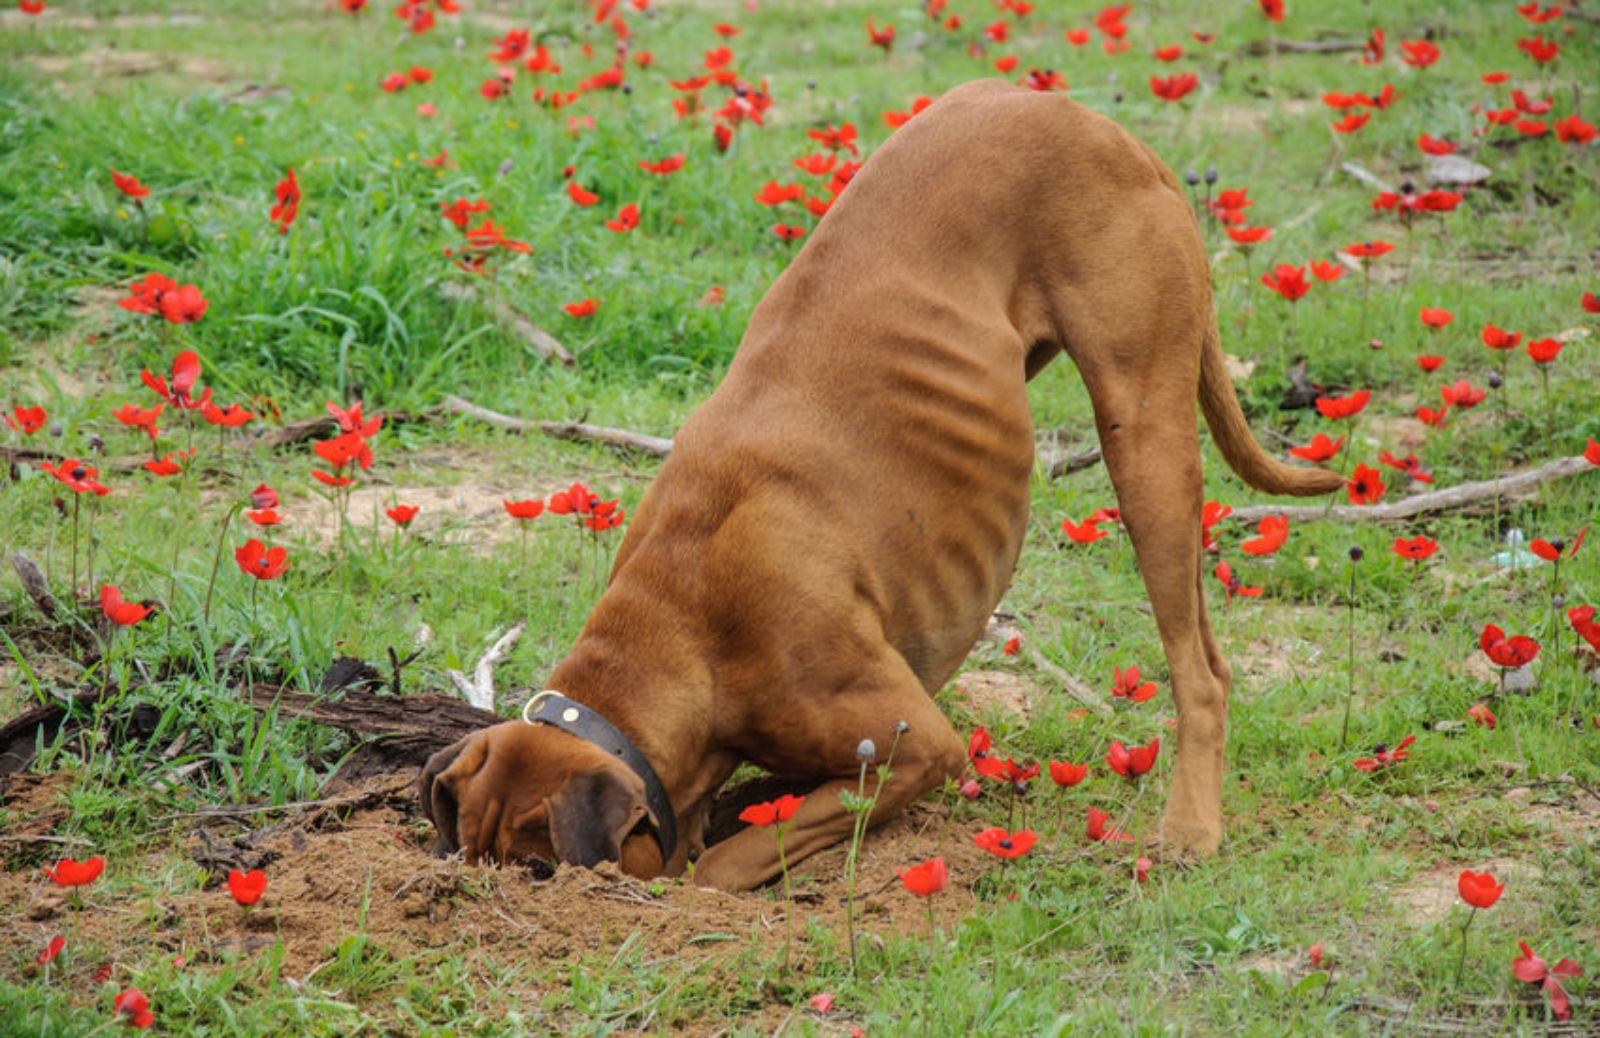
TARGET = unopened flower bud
(1495,381)
(1211,174)
(1191,178)
(970,789)
(1356,554)
(866,751)
(1375,344)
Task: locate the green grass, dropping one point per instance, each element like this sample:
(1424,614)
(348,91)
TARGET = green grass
(348,305)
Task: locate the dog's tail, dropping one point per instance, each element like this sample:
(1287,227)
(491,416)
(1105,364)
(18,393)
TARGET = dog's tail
(1238,444)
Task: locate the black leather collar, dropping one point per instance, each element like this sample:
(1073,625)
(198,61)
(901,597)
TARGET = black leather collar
(569,715)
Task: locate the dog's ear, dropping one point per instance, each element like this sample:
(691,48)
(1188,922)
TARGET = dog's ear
(593,813)
(437,794)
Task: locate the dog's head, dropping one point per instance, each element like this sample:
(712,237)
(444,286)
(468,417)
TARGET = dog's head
(517,792)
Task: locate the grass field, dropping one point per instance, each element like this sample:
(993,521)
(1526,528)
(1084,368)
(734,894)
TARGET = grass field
(169,773)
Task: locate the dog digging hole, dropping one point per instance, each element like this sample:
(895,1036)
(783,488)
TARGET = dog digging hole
(375,864)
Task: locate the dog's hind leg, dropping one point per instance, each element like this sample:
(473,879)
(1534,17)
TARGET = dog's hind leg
(929,751)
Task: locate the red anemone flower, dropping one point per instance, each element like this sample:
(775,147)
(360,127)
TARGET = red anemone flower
(1482,715)
(1319,450)
(773,812)
(257,560)
(1232,585)
(1288,280)
(247,887)
(581,309)
(1582,620)
(1409,465)
(1174,88)
(264,496)
(401,515)
(1419,53)
(1429,362)
(1516,651)
(1479,889)
(129,185)
(1461,394)
(1126,685)
(883,37)
(287,207)
(1365,486)
(140,418)
(1531,969)
(70,873)
(135,1005)
(1322,270)
(51,950)
(1415,549)
(263,516)
(1543,351)
(523,510)
(670,164)
(1432,416)
(1249,235)
(1343,406)
(1095,828)
(185,372)
(165,466)
(1383,757)
(1086,532)
(1499,339)
(576,192)
(1352,122)
(1131,762)
(1435,317)
(1575,130)
(1006,845)
(1067,774)
(627,219)
(1550,551)
(1433,146)
(26,420)
(1274,531)
(927,879)
(1369,249)
(119,612)
(79,478)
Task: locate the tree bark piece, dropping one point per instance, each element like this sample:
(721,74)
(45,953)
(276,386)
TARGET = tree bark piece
(547,346)
(655,446)
(1435,502)
(34,583)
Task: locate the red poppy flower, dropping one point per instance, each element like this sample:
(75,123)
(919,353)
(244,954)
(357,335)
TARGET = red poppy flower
(1067,774)
(521,509)
(883,37)
(401,515)
(1174,88)
(668,165)
(1320,449)
(26,420)
(927,879)
(576,192)
(1086,532)
(1591,452)
(1409,465)
(1288,280)
(264,496)
(582,308)
(1516,651)
(773,812)
(722,135)
(1006,845)
(1532,127)
(119,612)
(1131,762)
(1383,757)
(287,207)
(1479,889)
(1171,53)
(773,193)
(1126,685)
(331,479)
(1095,828)
(393,83)
(158,294)
(255,559)
(899,119)
(1495,78)
(1343,406)
(1530,969)
(1461,394)
(1543,351)
(1435,317)
(1429,362)
(1322,270)
(1574,130)
(1352,122)
(1076,37)
(139,418)
(1551,551)
(1249,235)
(1212,513)
(70,873)
(1369,249)
(836,138)
(345,449)
(1415,549)
(129,185)
(247,887)
(1482,715)
(1433,146)
(1429,416)
(133,1004)
(350,421)
(1419,53)
(79,478)
(1539,49)
(50,950)
(1535,16)
(1582,620)
(1365,486)
(263,517)
(230,417)
(788,232)
(1274,530)
(627,219)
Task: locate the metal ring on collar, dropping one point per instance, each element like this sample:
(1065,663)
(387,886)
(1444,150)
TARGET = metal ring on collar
(533,704)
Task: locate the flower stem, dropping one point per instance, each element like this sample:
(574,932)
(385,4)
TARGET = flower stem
(1350,693)
(1461,964)
(211,585)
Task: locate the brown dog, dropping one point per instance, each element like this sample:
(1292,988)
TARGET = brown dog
(836,523)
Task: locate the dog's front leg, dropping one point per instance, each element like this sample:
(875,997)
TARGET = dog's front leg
(928,753)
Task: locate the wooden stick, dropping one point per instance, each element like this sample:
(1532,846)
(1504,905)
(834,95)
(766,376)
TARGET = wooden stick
(479,691)
(1261,48)
(1069,684)
(655,446)
(34,583)
(1434,502)
(547,346)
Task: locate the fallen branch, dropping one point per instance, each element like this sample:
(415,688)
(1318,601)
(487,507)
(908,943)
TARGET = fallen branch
(480,690)
(1066,466)
(654,446)
(1366,176)
(1069,684)
(1261,48)
(547,346)
(1434,502)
